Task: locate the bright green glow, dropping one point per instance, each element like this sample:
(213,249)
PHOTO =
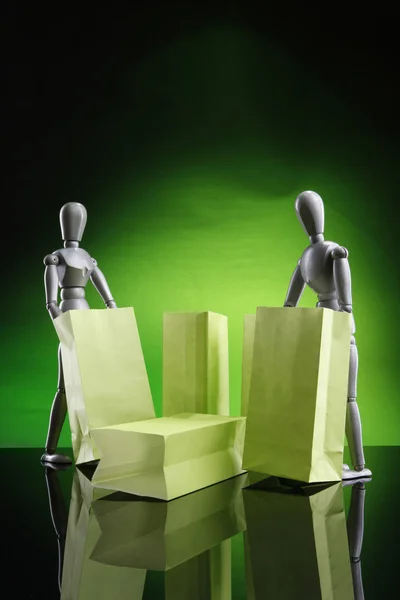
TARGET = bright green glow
(207,245)
(205,220)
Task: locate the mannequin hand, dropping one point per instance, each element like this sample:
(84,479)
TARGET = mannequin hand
(54,311)
(346,308)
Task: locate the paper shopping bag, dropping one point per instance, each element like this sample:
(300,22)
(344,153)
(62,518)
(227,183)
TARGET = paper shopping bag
(105,374)
(298,393)
(247,359)
(195,363)
(84,578)
(171,456)
(297,543)
(157,535)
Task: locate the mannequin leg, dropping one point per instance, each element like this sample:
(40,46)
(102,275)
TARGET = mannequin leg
(57,418)
(353,421)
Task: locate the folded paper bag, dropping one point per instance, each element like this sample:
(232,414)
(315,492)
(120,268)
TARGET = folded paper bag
(298,393)
(195,363)
(104,371)
(171,456)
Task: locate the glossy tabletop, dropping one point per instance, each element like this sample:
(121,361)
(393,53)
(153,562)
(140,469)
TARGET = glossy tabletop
(271,540)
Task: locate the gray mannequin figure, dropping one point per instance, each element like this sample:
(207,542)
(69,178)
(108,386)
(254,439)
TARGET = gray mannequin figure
(324,267)
(69,268)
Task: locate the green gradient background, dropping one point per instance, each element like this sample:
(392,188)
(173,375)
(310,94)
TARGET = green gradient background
(189,176)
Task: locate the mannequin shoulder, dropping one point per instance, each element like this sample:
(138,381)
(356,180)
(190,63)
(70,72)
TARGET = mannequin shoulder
(339,252)
(51,259)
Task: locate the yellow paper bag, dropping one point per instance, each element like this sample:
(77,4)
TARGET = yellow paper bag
(105,374)
(298,393)
(195,363)
(171,456)
(297,544)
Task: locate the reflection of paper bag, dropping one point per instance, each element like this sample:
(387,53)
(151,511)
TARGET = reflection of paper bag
(298,393)
(158,535)
(171,456)
(105,387)
(205,577)
(297,544)
(248,570)
(247,359)
(84,578)
(100,562)
(195,363)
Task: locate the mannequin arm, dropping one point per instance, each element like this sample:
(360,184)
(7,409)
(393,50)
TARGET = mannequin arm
(296,288)
(342,276)
(101,285)
(51,285)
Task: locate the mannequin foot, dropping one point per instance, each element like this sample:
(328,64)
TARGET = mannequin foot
(60,459)
(357,473)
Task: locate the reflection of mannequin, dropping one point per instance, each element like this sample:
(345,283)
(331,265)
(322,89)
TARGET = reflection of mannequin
(355,532)
(58,511)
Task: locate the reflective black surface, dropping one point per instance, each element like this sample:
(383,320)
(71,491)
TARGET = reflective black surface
(295,543)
